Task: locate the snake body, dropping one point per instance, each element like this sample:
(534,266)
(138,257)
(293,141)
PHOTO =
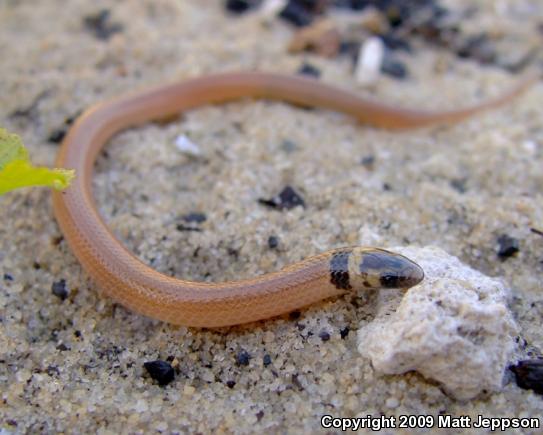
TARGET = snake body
(139,287)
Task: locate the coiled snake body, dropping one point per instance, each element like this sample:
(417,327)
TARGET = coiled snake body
(137,286)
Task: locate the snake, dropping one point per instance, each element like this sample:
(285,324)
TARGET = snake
(138,287)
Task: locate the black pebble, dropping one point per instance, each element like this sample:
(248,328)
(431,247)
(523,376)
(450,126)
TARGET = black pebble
(259,415)
(194,217)
(240,6)
(273,242)
(352,4)
(288,146)
(393,42)
(507,246)
(62,347)
(459,184)
(59,289)
(266,360)
(344,332)
(8,277)
(230,384)
(294,315)
(394,68)
(100,26)
(309,70)
(57,135)
(296,381)
(313,6)
(479,48)
(243,358)
(160,371)
(368,162)
(52,370)
(288,198)
(296,14)
(181,227)
(529,374)
(324,336)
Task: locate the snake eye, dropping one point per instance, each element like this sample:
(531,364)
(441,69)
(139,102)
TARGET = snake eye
(389,280)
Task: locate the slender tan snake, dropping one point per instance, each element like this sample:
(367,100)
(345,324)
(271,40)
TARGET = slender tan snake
(137,286)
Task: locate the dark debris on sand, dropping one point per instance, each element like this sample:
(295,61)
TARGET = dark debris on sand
(428,21)
(529,374)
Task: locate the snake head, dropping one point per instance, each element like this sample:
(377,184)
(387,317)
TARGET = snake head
(373,268)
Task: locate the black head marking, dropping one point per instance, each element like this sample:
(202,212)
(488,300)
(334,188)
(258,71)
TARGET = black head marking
(380,260)
(339,270)
(371,261)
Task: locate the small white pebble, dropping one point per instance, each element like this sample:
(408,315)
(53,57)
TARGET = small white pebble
(185,145)
(270,8)
(530,146)
(188,390)
(392,402)
(370,59)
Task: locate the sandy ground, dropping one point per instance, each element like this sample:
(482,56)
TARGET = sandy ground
(76,365)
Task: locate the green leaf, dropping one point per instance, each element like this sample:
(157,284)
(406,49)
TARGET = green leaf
(17,171)
(11,148)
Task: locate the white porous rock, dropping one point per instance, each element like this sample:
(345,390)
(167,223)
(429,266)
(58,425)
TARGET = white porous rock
(454,327)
